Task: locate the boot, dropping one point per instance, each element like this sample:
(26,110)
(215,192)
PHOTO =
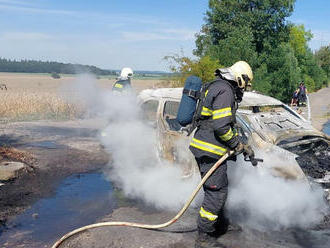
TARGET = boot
(205,240)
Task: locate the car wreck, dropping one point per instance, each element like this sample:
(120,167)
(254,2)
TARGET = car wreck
(264,122)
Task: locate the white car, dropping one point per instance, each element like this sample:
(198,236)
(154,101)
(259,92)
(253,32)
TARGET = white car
(266,123)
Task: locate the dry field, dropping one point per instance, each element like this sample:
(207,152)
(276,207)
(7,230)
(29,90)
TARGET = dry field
(38,96)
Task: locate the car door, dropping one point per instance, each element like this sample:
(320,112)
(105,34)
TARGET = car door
(175,143)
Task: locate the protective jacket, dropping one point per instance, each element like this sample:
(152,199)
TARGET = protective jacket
(216,132)
(122,85)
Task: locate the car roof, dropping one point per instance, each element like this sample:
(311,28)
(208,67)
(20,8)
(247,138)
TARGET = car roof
(249,98)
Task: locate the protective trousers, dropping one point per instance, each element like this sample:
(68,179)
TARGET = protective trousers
(215,195)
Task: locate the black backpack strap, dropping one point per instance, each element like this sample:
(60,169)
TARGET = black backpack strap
(192,93)
(200,102)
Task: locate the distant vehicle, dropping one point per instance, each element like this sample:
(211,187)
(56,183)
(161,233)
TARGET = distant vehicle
(265,122)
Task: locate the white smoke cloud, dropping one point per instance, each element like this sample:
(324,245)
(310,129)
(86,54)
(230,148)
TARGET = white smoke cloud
(261,200)
(132,145)
(136,166)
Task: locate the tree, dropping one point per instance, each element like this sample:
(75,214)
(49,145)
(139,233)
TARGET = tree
(33,66)
(237,46)
(264,20)
(184,67)
(298,39)
(311,72)
(257,31)
(323,59)
(279,75)
(309,67)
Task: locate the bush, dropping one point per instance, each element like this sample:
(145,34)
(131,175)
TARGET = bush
(309,83)
(55,75)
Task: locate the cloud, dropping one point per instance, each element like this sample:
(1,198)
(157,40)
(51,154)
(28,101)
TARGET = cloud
(166,34)
(23,7)
(15,2)
(320,38)
(116,20)
(321,35)
(108,40)
(103,51)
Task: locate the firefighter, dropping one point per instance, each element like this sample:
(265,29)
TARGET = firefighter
(214,137)
(124,81)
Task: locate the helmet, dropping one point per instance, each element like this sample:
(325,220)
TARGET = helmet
(240,72)
(126,73)
(243,73)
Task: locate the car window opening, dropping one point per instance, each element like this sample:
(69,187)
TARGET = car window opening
(149,110)
(170,112)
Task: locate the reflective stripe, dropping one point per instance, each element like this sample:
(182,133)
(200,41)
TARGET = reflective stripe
(220,113)
(206,111)
(207,91)
(227,136)
(120,86)
(203,213)
(204,146)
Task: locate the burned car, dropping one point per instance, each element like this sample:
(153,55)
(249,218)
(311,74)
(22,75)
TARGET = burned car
(266,123)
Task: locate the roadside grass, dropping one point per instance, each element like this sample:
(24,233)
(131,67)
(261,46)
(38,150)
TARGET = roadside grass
(27,106)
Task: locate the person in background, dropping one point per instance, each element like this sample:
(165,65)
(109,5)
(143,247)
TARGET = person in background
(302,95)
(124,81)
(294,100)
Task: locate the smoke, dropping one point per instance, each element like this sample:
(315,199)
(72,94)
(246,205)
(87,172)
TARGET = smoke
(132,145)
(260,200)
(136,165)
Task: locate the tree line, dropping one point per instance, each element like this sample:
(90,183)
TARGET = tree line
(34,66)
(258,32)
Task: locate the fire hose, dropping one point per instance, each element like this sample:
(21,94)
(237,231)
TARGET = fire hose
(156,226)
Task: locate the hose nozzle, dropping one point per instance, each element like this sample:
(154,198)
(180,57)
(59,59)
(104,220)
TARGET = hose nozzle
(250,157)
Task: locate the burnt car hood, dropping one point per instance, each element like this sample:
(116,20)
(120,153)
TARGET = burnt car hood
(275,127)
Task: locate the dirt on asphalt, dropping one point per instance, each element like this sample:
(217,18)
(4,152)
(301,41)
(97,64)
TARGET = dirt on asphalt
(320,107)
(59,150)
(182,234)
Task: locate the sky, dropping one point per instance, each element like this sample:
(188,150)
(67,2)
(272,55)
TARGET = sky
(112,34)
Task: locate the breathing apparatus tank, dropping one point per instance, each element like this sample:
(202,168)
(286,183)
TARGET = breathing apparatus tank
(190,96)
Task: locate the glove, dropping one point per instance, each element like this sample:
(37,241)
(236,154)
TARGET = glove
(245,149)
(248,154)
(239,149)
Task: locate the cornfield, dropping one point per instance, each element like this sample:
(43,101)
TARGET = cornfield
(19,106)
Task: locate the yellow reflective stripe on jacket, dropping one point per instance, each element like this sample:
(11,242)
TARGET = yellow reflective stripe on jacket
(203,213)
(206,111)
(204,146)
(227,136)
(120,86)
(220,113)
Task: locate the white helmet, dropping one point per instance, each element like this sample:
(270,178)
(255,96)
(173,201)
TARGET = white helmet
(240,72)
(126,73)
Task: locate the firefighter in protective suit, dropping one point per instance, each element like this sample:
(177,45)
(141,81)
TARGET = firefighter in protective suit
(215,136)
(124,81)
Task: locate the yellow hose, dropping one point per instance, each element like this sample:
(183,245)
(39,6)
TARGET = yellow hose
(147,226)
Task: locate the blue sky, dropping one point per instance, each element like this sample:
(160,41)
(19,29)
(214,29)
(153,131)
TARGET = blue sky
(113,34)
